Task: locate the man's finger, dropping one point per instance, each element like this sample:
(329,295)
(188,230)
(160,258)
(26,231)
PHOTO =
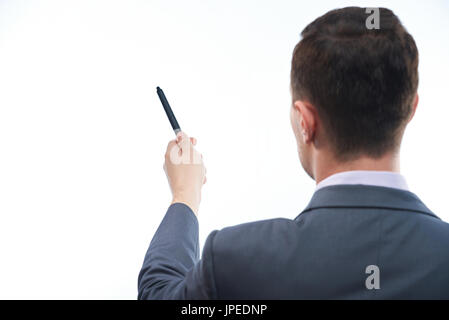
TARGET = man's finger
(172,144)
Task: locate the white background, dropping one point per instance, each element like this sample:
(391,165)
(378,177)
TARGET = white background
(82,132)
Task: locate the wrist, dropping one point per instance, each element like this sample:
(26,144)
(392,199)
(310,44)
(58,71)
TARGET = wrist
(190,200)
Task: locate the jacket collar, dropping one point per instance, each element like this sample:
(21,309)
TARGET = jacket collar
(365,196)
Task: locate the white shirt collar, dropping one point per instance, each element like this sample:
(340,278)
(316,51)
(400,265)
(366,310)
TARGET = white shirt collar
(373,178)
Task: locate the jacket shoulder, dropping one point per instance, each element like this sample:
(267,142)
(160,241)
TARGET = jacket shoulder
(246,243)
(254,233)
(244,254)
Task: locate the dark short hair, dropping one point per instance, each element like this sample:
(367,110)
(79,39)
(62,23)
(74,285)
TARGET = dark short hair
(361,81)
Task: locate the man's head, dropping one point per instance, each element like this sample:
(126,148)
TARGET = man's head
(354,89)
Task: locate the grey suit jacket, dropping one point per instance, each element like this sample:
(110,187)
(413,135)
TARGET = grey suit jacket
(321,254)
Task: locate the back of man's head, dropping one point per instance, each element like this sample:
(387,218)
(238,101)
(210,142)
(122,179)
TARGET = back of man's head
(361,81)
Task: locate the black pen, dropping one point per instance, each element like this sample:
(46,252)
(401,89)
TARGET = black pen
(168,111)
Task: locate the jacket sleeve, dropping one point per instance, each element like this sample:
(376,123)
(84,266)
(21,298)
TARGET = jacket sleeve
(171,268)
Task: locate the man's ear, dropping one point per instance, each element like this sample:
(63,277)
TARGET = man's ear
(414,107)
(307,120)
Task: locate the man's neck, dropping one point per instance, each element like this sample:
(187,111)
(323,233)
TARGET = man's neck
(325,166)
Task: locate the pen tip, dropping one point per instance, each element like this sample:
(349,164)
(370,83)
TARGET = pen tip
(157,88)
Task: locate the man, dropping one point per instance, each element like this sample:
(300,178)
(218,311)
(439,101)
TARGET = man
(363,235)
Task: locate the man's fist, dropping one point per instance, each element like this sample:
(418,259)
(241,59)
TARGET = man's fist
(185,171)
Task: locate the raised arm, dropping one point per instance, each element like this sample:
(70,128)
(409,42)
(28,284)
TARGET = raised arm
(172,269)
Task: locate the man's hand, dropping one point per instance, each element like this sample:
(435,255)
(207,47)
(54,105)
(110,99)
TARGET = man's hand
(185,171)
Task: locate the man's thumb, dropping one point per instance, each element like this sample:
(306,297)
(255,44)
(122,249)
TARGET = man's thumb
(183,140)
